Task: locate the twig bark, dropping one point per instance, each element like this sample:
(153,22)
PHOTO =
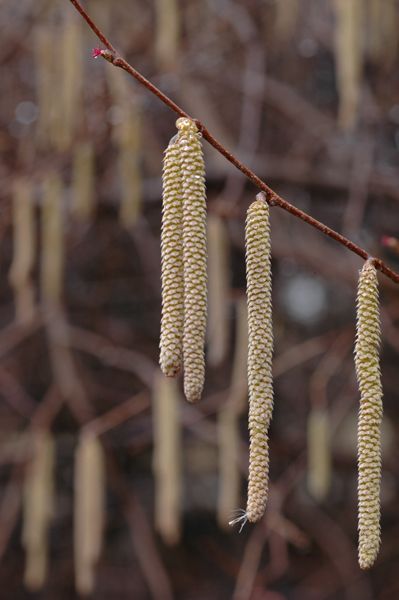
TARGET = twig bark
(273,198)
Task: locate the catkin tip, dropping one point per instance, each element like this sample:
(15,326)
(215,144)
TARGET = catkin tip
(185,124)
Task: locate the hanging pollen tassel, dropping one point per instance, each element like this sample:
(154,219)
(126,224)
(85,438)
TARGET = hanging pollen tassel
(38,501)
(194,257)
(24,251)
(229,421)
(348,58)
(319,454)
(171,343)
(287,13)
(89,489)
(260,350)
(218,266)
(382,36)
(52,241)
(367,351)
(167,459)
(129,167)
(44,44)
(70,83)
(83,182)
(128,138)
(167,34)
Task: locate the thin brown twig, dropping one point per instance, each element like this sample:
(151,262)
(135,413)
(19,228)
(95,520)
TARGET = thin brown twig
(273,198)
(117,415)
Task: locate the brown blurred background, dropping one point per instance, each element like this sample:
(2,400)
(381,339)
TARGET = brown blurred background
(306,93)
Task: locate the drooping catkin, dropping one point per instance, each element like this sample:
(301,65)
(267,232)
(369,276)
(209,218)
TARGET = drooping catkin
(260,350)
(287,12)
(82,207)
(171,343)
(218,272)
(167,33)
(38,501)
(194,256)
(44,44)
(382,38)
(167,459)
(129,168)
(52,240)
(24,250)
(348,58)
(367,351)
(127,136)
(70,82)
(319,454)
(228,422)
(89,510)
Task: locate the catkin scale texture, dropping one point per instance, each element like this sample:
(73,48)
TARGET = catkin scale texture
(171,343)
(194,257)
(370,415)
(260,350)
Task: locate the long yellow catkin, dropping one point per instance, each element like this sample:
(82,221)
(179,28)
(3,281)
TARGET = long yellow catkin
(171,342)
(382,38)
(194,257)
(260,350)
(229,421)
(129,168)
(89,510)
(82,207)
(38,501)
(367,351)
(319,454)
(167,459)
(218,271)
(287,12)
(127,135)
(52,240)
(167,33)
(24,250)
(348,58)
(44,44)
(70,81)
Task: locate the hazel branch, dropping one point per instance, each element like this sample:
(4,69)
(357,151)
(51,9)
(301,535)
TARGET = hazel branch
(112,56)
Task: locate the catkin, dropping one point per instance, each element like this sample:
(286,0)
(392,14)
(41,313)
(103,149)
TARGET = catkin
(171,343)
(127,136)
(70,82)
(24,250)
(218,266)
(382,38)
(52,241)
(260,350)
(44,44)
(167,33)
(370,414)
(194,257)
(89,489)
(287,13)
(38,501)
(167,459)
(319,454)
(348,58)
(83,182)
